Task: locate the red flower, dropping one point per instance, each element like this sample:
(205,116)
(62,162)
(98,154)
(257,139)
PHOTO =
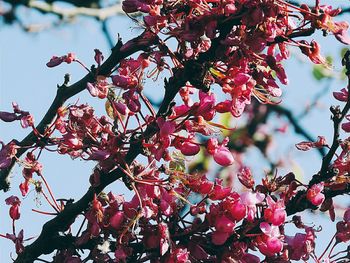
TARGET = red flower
(275,213)
(14,202)
(221,154)
(314,194)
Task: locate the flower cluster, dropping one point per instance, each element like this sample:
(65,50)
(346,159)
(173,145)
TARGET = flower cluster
(228,55)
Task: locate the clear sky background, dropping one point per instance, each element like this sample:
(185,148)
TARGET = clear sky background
(24,78)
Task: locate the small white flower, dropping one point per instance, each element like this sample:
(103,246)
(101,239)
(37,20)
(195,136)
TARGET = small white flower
(104,247)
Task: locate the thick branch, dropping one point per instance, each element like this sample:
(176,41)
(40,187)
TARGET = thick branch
(337,118)
(51,229)
(300,203)
(79,3)
(99,13)
(43,244)
(343,10)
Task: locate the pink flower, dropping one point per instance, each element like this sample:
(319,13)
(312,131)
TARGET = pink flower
(278,68)
(346,126)
(314,194)
(8,116)
(202,186)
(189,148)
(69,58)
(120,107)
(314,53)
(180,255)
(224,224)
(245,177)
(343,231)
(131,99)
(165,127)
(7,152)
(301,246)
(27,121)
(121,253)
(18,240)
(305,146)
(24,187)
(99,155)
(98,56)
(98,89)
(164,238)
(72,141)
(340,32)
(219,192)
(221,154)
(206,105)
(54,61)
(237,210)
(131,6)
(341,95)
(241,79)
(250,200)
(14,202)
(117,220)
(275,213)
(346,216)
(269,243)
(218,238)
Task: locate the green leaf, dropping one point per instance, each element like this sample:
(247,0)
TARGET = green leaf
(321,72)
(178,162)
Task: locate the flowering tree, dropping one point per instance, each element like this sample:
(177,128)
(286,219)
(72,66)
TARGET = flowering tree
(214,58)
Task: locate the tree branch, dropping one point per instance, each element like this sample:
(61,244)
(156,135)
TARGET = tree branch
(66,92)
(51,229)
(100,13)
(295,123)
(337,118)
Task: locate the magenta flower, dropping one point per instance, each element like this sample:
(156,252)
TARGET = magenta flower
(14,202)
(98,56)
(55,61)
(8,116)
(245,177)
(341,95)
(27,121)
(206,105)
(99,89)
(163,238)
(7,152)
(116,220)
(269,243)
(305,146)
(343,228)
(237,210)
(275,213)
(314,194)
(221,153)
(346,126)
(18,240)
(224,224)
(223,156)
(250,200)
(301,246)
(189,148)
(218,238)
(180,255)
